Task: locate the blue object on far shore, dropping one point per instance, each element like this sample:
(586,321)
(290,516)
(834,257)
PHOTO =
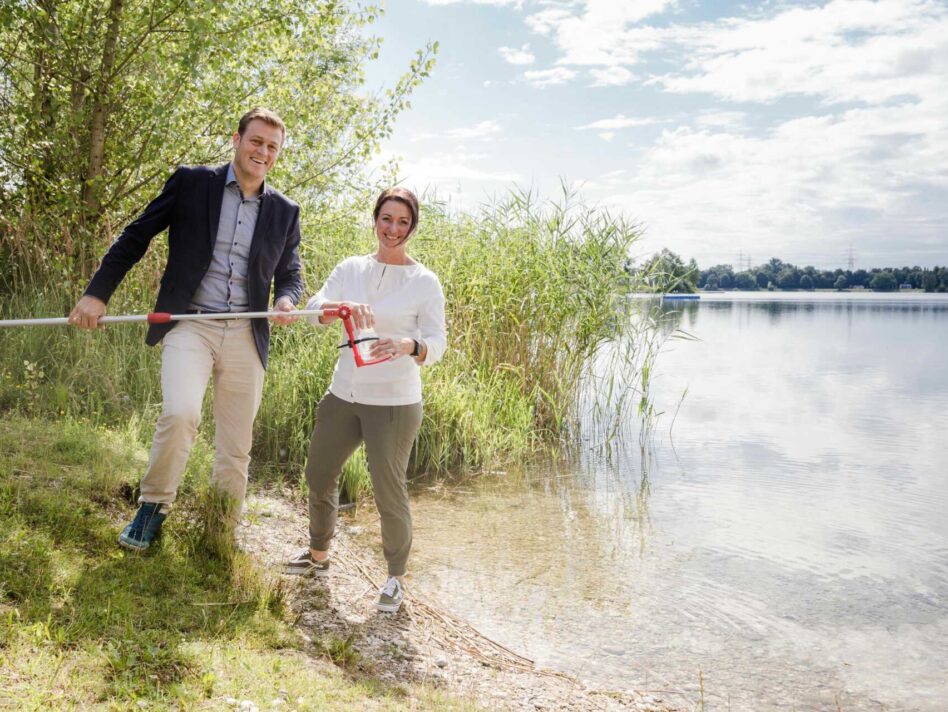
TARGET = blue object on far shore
(681,296)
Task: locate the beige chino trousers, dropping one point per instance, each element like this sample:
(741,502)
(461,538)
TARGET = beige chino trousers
(192,353)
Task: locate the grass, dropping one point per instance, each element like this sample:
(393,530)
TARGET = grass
(86,624)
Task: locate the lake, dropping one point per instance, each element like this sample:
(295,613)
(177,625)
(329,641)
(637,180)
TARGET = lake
(784,545)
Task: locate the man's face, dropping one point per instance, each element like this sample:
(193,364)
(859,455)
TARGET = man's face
(256,151)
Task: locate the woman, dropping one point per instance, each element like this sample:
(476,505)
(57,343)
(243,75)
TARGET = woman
(378,405)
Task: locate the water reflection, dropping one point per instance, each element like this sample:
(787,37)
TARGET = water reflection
(789,543)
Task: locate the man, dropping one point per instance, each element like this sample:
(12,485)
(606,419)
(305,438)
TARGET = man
(230,238)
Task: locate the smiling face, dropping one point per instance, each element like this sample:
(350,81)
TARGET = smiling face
(256,151)
(393,225)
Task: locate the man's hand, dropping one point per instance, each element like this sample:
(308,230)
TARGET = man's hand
(284,304)
(87,311)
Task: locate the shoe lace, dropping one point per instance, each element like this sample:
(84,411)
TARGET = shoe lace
(143,517)
(391,587)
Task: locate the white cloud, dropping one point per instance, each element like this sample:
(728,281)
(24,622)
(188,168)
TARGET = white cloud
(846,50)
(447,167)
(600,34)
(801,191)
(837,133)
(614,76)
(482,130)
(842,50)
(517,56)
(618,122)
(444,168)
(499,3)
(721,119)
(549,77)
(860,151)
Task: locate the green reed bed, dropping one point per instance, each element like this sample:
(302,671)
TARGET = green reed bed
(534,290)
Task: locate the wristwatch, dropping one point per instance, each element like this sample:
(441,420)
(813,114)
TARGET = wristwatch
(417,350)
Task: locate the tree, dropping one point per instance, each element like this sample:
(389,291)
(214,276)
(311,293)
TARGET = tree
(840,283)
(665,271)
(859,278)
(883,281)
(723,275)
(806,282)
(788,278)
(930,280)
(763,279)
(102,100)
(745,281)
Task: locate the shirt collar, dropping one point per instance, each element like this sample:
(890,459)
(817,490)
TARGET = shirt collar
(232,179)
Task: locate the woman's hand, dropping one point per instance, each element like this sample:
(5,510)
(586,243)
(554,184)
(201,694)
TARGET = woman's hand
(362,316)
(393,348)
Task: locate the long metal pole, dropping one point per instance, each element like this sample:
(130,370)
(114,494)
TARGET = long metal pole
(342,312)
(164,318)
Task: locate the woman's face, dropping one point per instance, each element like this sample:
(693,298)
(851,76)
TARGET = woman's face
(393,224)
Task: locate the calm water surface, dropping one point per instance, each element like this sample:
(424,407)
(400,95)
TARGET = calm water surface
(785,544)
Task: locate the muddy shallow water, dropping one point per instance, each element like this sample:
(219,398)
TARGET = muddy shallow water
(784,546)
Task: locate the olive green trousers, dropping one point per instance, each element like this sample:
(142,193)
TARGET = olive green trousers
(388,432)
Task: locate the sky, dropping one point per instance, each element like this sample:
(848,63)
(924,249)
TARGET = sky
(730,132)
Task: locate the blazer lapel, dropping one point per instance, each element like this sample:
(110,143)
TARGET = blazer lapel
(262,228)
(215,197)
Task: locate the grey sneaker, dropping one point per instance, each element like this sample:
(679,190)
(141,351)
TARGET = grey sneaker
(303,564)
(391,596)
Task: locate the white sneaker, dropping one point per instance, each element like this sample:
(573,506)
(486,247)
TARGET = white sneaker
(391,596)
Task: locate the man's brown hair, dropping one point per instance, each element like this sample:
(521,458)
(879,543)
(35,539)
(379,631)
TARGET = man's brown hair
(265,115)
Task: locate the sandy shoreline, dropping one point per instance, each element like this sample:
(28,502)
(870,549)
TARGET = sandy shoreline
(423,643)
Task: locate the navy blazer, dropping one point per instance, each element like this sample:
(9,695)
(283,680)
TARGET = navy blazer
(189,207)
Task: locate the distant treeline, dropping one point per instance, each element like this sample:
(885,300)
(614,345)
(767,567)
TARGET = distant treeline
(666,271)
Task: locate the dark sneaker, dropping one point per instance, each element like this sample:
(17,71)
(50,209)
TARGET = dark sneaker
(303,564)
(138,535)
(391,596)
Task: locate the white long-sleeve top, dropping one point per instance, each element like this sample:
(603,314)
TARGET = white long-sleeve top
(407,300)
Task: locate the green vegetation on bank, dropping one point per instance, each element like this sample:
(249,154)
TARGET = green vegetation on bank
(83,623)
(533,292)
(667,272)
